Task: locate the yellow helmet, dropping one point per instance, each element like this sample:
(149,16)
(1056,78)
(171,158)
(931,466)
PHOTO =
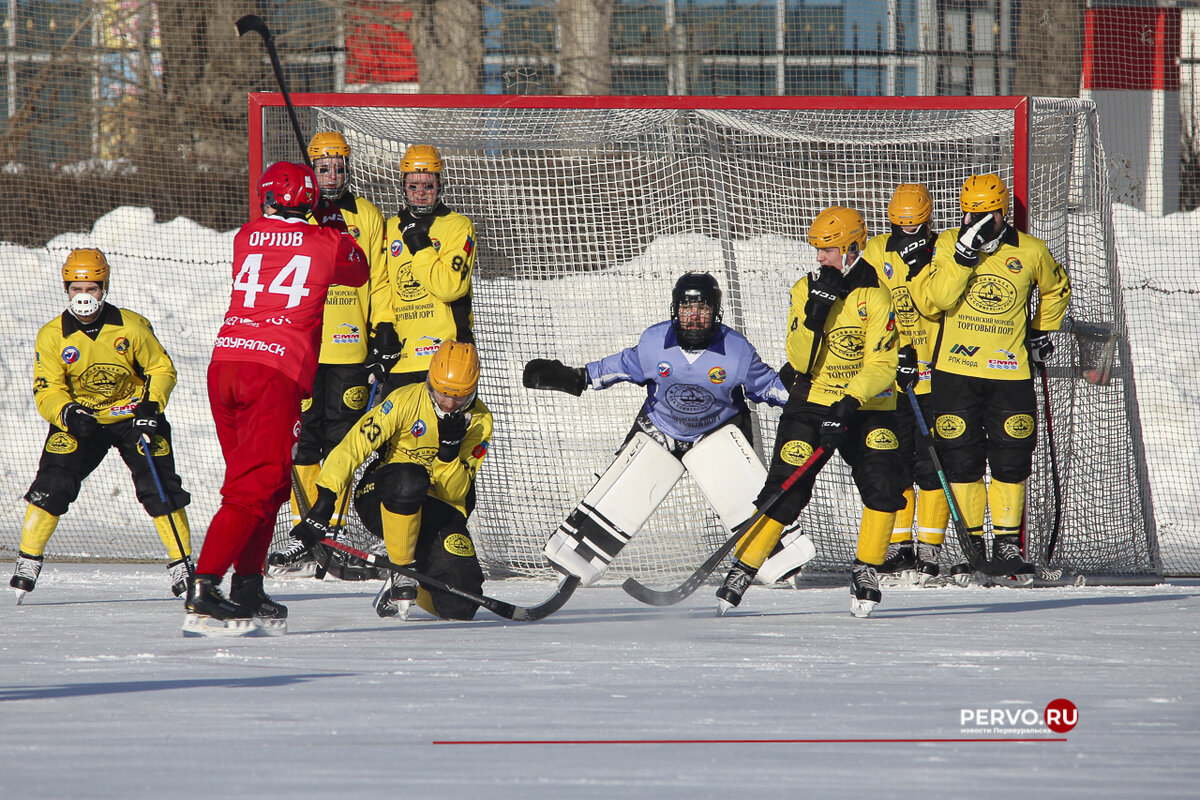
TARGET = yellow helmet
(454,370)
(982,193)
(327,143)
(910,205)
(839,227)
(421,158)
(86,264)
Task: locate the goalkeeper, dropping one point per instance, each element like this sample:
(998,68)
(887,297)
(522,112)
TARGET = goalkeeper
(982,278)
(698,374)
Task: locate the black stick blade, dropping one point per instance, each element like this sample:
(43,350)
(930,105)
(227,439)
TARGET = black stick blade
(253,22)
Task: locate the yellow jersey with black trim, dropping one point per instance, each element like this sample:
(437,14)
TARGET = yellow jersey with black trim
(428,295)
(856,353)
(405,426)
(915,328)
(103,366)
(986,317)
(344,326)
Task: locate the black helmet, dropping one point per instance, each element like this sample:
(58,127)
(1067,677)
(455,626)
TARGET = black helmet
(696,287)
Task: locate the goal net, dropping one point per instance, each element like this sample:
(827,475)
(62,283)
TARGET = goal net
(588,209)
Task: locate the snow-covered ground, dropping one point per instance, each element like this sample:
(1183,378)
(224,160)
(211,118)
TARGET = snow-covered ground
(787,696)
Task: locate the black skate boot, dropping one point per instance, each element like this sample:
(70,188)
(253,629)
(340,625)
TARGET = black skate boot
(25,574)
(962,572)
(177,577)
(396,596)
(864,588)
(900,558)
(269,616)
(736,582)
(1006,553)
(293,561)
(927,562)
(210,613)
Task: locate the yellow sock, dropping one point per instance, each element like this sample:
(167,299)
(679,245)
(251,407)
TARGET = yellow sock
(874,530)
(1007,502)
(972,502)
(902,527)
(163,526)
(39,526)
(758,542)
(400,532)
(307,475)
(933,515)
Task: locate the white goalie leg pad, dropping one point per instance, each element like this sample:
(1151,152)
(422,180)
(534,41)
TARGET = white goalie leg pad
(729,473)
(797,550)
(614,510)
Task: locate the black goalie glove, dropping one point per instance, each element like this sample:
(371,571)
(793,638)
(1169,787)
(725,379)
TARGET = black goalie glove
(414,230)
(1040,347)
(908,371)
(383,353)
(79,421)
(835,428)
(827,289)
(542,373)
(315,525)
(452,429)
(146,417)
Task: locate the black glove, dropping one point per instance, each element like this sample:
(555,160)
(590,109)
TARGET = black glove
(1040,346)
(542,373)
(971,237)
(826,290)
(788,375)
(915,249)
(79,421)
(145,419)
(328,215)
(907,370)
(451,430)
(414,230)
(836,427)
(315,525)
(383,352)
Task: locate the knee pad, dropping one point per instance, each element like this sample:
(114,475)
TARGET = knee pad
(1011,464)
(880,483)
(53,491)
(401,488)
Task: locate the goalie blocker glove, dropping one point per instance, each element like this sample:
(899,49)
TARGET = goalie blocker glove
(1040,346)
(827,289)
(315,525)
(542,373)
(970,239)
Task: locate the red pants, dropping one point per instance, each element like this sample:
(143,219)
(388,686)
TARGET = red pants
(257,412)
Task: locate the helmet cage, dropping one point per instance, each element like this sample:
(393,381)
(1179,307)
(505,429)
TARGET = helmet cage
(421,159)
(696,287)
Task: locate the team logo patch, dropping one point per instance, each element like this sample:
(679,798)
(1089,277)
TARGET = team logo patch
(1014,265)
(418,428)
(891,324)
(1019,426)
(356,232)
(887,268)
(469,246)
(159,446)
(457,544)
(664,369)
(305,405)
(862,310)
(121,345)
(991,294)
(882,439)
(107,380)
(61,443)
(688,399)
(950,426)
(355,398)
(480,450)
(795,452)
(386,407)
(437,246)
(397,246)
(846,343)
(717,375)
(70,355)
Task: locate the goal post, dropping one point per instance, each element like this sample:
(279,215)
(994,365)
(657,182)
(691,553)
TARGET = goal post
(588,208)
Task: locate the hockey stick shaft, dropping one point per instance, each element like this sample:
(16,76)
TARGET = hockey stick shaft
(1053,466)
(147,446)
(255,23)
(670,597)
(960,525)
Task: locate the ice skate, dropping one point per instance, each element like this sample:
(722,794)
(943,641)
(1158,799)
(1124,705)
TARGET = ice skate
(736,582)
(25,575)
(864,589)
(1006,553)
(899,565)
(293,561)
(210,613)
(927,562)
(963,572)
(396,596)
(177,577)
(269,616)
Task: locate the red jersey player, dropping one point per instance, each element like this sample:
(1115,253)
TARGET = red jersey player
(262,367)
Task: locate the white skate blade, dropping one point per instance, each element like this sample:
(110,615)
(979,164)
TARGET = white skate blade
(20,595)
(305,569)
(403,608)
(270,626)
(899,580)
(723,606)
(201,625)
(862,608)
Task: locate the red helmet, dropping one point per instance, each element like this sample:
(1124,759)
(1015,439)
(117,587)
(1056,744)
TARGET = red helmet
(289,187)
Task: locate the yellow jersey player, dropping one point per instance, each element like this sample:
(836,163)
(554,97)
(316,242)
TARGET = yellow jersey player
(432,438)
(900,256)
(340,392)
(101,379)
(841,348)
(430,258)
(983,277)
